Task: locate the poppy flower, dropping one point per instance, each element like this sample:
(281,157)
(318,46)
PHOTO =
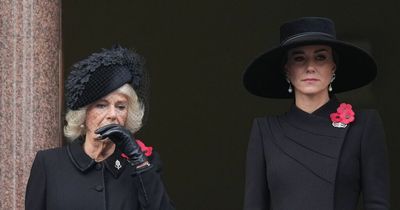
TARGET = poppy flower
(147,150)
(335,117)
(344,107)
(343,116)
(347,117)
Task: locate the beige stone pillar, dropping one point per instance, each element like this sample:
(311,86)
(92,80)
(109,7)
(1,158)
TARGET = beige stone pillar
(30,87)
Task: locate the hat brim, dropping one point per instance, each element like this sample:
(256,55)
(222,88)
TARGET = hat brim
(265,76)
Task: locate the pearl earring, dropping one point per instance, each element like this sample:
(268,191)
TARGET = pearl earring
(330,84)
(290,90)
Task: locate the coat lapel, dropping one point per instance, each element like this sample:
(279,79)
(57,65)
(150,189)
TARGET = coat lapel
(310,139)
(115,164)
(78,157)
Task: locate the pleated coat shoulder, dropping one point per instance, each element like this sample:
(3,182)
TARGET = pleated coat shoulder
(67,178)
(301,161)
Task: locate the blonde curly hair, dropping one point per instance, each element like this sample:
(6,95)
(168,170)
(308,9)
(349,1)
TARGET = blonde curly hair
(76,118)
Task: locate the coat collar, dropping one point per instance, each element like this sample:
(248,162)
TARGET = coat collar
(318,121)
(115,164)
(310,139)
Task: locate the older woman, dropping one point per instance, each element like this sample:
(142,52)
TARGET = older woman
(321,154)
(104,166)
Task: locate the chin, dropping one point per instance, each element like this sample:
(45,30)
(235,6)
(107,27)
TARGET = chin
(313,92)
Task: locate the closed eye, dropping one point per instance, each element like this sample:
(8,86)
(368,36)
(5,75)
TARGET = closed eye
(121,106)
(100,105)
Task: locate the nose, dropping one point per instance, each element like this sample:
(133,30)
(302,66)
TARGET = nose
(311,67)
(112,114)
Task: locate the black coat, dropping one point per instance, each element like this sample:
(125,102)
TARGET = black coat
(300,161)
(67,178)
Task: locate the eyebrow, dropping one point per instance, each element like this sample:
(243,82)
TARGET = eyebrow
(106,101)
(320,50)
(100,100)
(122,102)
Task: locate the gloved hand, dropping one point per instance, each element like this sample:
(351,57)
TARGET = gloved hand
(125,142)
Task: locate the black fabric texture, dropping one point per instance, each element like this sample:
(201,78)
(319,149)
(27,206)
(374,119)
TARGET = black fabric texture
(300,161)
(67,178)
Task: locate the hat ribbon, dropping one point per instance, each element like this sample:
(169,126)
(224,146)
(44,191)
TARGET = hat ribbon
(307,34)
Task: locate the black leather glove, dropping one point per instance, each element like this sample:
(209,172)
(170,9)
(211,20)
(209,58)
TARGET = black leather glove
(125,142)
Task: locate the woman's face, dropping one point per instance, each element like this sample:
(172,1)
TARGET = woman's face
(310,69)
(111,109)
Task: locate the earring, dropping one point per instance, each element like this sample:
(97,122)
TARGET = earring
(82,126)
(330,84)
(290,90)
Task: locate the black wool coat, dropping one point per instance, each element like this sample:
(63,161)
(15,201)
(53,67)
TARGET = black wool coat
(67,178)
(301,161)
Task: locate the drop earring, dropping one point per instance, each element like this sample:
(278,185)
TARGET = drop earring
(290,90)
(330,84)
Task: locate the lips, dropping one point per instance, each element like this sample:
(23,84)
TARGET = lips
(310,80)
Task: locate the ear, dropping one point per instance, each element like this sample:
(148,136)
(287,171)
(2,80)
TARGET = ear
(287,77)
(334,68)
(286,70)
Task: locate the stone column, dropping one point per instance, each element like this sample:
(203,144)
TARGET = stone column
(30,90)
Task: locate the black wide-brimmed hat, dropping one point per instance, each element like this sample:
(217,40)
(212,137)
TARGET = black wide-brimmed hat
(103,72)
(265,76)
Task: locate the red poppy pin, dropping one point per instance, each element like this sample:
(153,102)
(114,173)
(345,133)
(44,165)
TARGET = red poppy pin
(145,149)
(343,116)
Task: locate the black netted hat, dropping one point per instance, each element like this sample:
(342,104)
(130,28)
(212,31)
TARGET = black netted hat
(103,72)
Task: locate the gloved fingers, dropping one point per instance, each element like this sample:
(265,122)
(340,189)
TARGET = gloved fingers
(120,136)
(114,134)
(105,128)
